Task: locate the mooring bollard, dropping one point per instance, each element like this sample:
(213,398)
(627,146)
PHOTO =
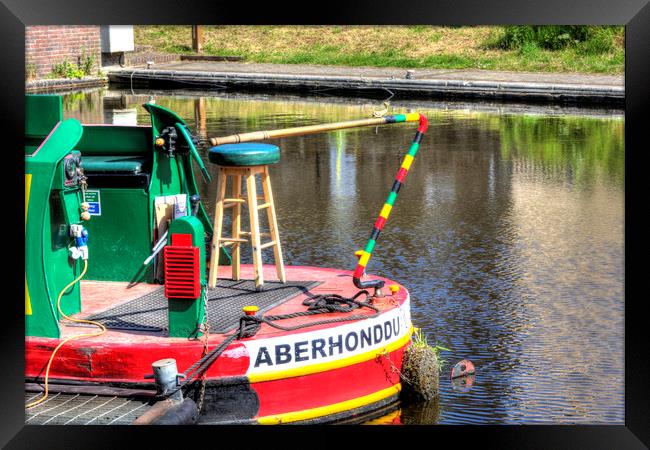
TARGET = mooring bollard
(165,376)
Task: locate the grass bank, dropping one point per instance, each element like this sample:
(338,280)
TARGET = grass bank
(385,46)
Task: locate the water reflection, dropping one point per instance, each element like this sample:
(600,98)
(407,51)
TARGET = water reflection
(427,413)
(508,233)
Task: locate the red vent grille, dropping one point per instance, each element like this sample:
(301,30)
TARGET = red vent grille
(182,278)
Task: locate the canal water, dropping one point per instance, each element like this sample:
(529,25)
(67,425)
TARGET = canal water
(508,232)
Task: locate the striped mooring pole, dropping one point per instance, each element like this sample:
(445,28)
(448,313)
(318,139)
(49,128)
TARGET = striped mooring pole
(390,201)
(399,178)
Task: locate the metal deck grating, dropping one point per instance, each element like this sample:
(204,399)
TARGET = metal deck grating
(225,303)
(83,409)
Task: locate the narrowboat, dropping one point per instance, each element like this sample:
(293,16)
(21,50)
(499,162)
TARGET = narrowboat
(138,311)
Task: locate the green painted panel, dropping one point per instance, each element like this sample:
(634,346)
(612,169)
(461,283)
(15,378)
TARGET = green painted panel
(42,113)
(115,140)
(119,239)
(61,268)
(114,164)
(165,179)
(47,217)
(195,154)
(47,247)
(63,139)
(162,117)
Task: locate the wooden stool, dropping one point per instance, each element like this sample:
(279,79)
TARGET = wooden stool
(245,161)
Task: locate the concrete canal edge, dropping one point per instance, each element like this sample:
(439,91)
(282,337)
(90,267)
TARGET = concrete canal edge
(577,89)
(64,84)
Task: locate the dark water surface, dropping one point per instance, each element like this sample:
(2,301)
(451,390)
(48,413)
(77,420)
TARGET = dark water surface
(508,233)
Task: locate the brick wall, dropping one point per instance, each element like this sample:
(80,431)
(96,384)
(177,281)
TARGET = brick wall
(46,45)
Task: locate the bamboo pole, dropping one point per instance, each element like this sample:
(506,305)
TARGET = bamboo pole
(311,129)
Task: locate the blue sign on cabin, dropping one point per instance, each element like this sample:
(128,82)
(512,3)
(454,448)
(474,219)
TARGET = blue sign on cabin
(95,205)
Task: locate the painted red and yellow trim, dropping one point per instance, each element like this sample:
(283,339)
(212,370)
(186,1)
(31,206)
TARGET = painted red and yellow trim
(326,410)
(365,255)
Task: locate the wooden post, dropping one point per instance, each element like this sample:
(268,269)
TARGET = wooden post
(258,268)
(200,117)
(236,227)
(197,38)
(218,221)
(273,224)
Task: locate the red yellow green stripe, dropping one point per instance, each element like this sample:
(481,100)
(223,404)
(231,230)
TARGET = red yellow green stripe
(397,183)
(385,211)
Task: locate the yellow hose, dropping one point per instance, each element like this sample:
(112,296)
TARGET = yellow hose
(63,342)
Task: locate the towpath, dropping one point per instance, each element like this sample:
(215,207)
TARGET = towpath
(431,83)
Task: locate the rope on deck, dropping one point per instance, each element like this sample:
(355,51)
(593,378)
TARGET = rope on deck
(250,325)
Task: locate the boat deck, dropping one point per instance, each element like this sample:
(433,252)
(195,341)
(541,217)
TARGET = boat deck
(84,409)
(223,304)
(292,372)
(98,297)
(125,355)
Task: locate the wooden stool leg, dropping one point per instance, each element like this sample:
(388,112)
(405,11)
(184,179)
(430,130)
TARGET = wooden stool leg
(218,220)
(236,227)
(273,224)
(255,228)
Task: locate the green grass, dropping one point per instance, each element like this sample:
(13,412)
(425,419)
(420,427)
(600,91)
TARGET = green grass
(420,341)
(419,46)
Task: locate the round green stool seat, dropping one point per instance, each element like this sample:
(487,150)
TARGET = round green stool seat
(244,154)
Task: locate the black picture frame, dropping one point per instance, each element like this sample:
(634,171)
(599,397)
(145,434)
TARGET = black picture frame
(634,14)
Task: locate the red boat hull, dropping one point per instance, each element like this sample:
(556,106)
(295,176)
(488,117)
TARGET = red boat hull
(321,373)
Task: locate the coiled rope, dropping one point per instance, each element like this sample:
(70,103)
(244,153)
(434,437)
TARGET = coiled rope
(250,325)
